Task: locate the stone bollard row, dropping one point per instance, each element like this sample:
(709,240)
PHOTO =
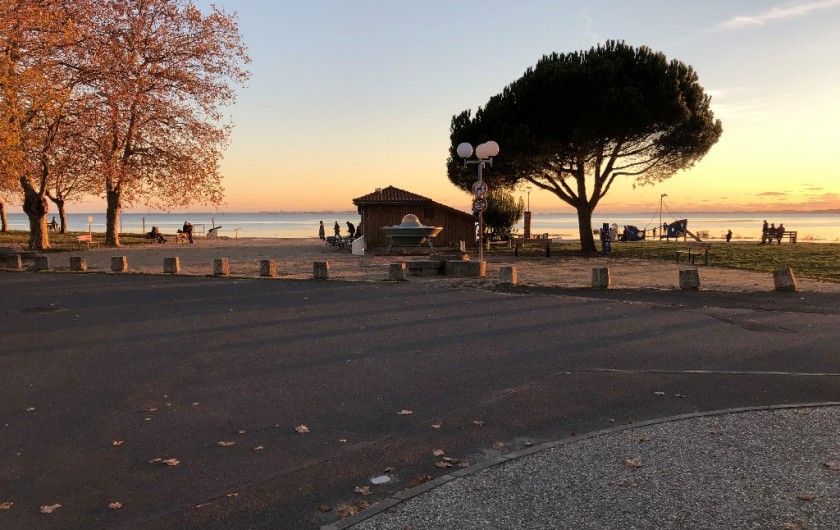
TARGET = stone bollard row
(40,263)
(268,268)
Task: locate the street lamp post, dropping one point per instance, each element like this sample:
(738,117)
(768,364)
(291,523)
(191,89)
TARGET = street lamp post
(484,154)
(528,189)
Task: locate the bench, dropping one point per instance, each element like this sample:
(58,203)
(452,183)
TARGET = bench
(694,251)
(424,268)
(791,236)
(87,238)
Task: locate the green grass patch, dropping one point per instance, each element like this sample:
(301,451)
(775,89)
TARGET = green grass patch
(64,242)
(818,261)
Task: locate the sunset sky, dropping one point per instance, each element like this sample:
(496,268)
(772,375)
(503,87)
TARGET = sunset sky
(348,96)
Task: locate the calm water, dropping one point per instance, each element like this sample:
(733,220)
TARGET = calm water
(811,227)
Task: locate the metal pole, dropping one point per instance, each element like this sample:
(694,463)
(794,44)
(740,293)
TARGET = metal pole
(480,220)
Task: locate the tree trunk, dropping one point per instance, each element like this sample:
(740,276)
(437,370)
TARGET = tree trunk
(3,219)
(587,239)
(36,207)
(62,215)
(112,235)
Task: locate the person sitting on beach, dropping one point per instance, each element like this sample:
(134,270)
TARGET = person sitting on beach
(780,232)
(188,229)
(156,235)
(358,231)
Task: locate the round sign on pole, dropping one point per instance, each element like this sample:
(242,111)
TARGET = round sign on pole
(479,205)
(479,188)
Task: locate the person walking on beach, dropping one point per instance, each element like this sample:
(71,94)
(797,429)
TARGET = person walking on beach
(321,231)
(337,229)
(188,229)
(728,236)
(351,229)
(764,232)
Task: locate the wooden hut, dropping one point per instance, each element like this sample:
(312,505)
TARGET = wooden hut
(387,206)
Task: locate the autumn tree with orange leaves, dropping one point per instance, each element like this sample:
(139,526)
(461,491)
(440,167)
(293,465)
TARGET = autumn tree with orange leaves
(122,97)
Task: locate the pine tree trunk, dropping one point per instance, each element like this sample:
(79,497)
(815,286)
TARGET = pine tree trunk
(114,205)
(36,207)
(587,239)
(3,219)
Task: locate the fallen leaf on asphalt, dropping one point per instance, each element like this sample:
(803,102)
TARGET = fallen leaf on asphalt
(259,448)
(155,460)
(498,445)
(659,393)
(405,412)
(420,480)
(716,432)
(442,464)
(195,403)
(234,494)
(806,497)
(324,508)
(116,443)
(464,464)
(632,463)
(612,420)
(302,428)
(834,466)
(346,510)
(388,469)
(529,444)
(153,409)
(241,431)
(436,426)
(450,459)
(115,505)
(342,440)
(225,444)
(30,409)
(147,419)
(363,490)
(793,525)
(478,423)
(6,505)
(640,439)
(50,509)
(171,461)
(438,452)
(680,395)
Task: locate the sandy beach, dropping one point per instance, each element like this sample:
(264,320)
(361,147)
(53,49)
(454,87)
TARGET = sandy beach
(295,258)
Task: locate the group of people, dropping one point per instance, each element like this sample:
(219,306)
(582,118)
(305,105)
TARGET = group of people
(352,230)
(771,232)
(186,230)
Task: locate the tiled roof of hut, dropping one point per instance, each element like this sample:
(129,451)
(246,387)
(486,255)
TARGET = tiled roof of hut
(391,195)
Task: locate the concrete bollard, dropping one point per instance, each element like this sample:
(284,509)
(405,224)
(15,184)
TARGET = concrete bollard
(119,263)
(396,272)
(268,268)
(172,265)
(41,263)
(508,276)
(784,280)
(78,263)
(13,261)
(221,267)
(321,270)
(601,278)
(689,279)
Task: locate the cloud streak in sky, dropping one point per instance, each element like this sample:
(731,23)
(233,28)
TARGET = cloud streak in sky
(778,13)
